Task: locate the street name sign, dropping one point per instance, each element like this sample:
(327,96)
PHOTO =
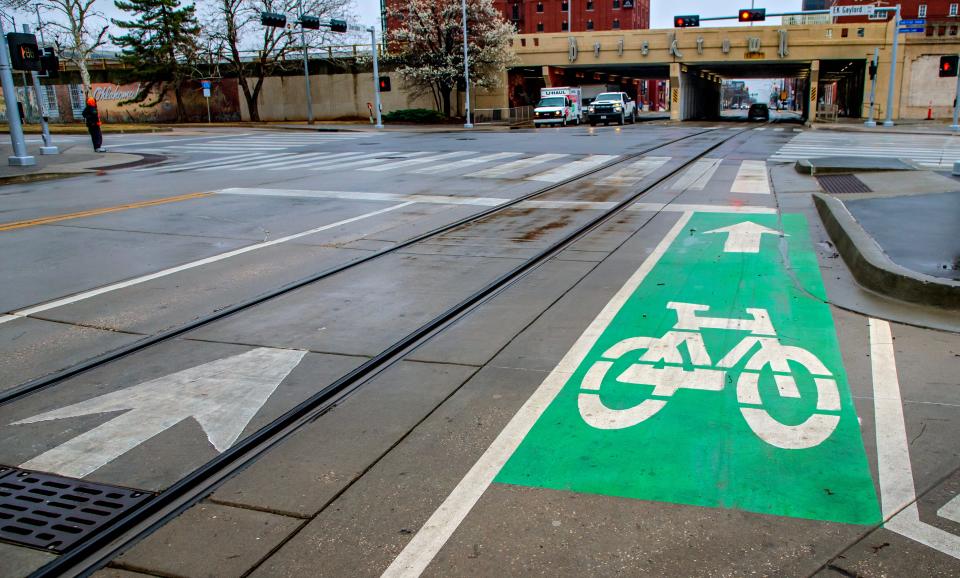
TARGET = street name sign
(861,10)
(718,382)
(911,30)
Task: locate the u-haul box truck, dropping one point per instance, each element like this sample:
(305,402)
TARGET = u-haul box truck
(560,105)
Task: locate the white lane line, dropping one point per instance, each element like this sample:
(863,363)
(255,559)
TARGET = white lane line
(495,201)
(418,161)
(751,178)
(898,494)
(697,176)
(206,261)
(374,159)
(951,511)
(464,163)
(635,172)
(566,171)
(365,196)
(516,166)
(425,545)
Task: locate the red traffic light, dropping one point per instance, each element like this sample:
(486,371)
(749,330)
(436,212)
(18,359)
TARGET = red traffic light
(752,15)
(688,21)
(384,84)
(948,65)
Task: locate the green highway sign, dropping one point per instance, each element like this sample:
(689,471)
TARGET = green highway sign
(718,383)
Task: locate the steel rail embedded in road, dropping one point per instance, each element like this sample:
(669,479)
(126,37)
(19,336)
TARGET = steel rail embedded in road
(103,546)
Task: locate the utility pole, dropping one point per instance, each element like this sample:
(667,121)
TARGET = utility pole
(20,158)
(956,107)
(376,76)
(893,67)
(306,66)
(48,148)
(466,66)
(873,87)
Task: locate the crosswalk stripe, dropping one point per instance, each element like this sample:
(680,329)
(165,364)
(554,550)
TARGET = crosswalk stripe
(372,160)
(516,166)
(635,172)
(195,164)
(761,128)
(216,165)
(751,178)
(323,159)
(778,129)
(464,163)
(697,176)
(416,161)
(568,170)
(300,159)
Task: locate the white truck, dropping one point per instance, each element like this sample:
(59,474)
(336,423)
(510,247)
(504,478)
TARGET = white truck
(560,105)
(612,107)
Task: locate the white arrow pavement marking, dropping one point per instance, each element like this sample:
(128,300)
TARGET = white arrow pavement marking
(744,237)
(223,396)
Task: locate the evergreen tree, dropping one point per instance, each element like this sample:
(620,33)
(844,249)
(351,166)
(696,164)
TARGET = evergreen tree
(159,46)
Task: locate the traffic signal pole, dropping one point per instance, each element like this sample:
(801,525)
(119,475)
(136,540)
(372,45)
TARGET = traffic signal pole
(893,67)
(48,147)
(306,68)
(376,76)
(873,89)
(956,108)
(20,158)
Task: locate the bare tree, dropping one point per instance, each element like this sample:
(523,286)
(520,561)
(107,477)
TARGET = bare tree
(428,38)
(254,52)
(79,30)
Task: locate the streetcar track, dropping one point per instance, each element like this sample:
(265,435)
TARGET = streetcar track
(103,546)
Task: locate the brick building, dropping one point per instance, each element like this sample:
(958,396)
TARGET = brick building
(930,10)
(531,16)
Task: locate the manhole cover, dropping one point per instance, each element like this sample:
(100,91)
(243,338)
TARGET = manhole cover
(53,512)
(842,184)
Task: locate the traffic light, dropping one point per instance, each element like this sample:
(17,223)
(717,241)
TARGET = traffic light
(948,65)
(49,63)
(338,25)
(688,21)
(273,19)
(24,52)
(752,15)
(384,84)
(872,69)
(310,22)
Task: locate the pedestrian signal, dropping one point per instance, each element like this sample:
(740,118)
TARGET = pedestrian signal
(948,65)
(24,52)
(384,84)
(752,14)
(688,21)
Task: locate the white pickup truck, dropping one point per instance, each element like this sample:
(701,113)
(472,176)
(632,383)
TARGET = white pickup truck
(612,106)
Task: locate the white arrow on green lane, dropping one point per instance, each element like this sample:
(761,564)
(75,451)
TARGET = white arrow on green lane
(223,396)
(744,237)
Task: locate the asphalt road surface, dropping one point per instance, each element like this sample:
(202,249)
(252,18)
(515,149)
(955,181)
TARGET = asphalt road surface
(567,352)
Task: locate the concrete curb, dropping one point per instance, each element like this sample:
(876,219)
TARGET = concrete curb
(872,268)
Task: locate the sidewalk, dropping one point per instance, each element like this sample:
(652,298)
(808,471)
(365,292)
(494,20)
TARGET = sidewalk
(74,159)
(907,126)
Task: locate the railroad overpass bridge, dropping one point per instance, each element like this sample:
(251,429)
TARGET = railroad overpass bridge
(829,62)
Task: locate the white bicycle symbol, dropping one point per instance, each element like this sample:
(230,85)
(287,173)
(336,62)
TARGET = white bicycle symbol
(667,379)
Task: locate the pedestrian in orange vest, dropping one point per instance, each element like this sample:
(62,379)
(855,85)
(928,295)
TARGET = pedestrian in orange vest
(92,116)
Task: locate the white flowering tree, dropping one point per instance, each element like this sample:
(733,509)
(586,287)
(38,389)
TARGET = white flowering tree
(426,38)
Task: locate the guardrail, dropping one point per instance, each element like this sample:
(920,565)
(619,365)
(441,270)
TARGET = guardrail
(513,115)
(827,112)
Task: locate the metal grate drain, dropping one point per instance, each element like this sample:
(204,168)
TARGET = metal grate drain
(53,512)
(842,184)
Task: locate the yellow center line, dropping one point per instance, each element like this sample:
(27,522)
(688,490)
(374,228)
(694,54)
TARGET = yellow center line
(94,212)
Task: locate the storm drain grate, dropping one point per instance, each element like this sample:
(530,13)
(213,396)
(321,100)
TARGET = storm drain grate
(842,184)
(53,512)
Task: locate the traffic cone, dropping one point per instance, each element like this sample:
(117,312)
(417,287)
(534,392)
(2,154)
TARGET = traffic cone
(930,111)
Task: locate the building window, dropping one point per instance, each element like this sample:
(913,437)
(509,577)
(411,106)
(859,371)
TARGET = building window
(564,26)
(589,24)
(953,10)
(540,7)
(922,12)
(589,4)
(616,24)
(539,26)
(616,4)
(564,6)
(516,12)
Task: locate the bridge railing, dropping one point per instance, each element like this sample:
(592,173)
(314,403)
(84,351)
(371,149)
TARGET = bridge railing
(506,115)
